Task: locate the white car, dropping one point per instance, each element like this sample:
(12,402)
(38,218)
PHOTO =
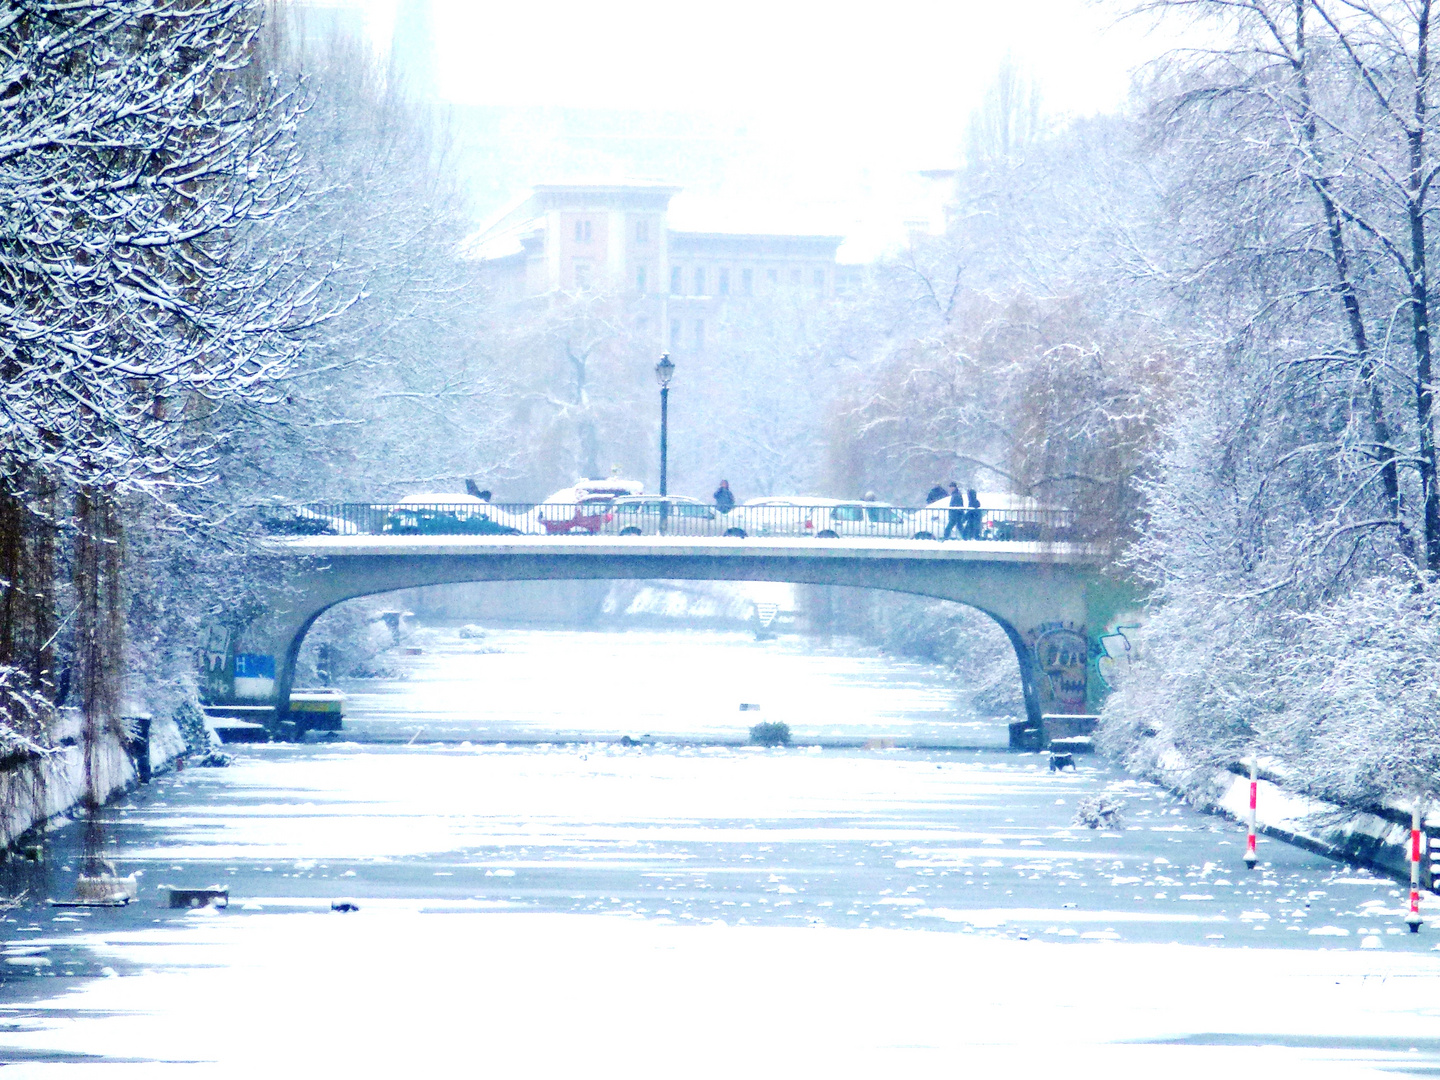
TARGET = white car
(808,515)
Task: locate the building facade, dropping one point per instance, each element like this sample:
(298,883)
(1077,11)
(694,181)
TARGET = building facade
(616,238)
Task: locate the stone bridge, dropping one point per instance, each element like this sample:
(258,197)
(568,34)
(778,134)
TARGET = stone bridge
(1062,616)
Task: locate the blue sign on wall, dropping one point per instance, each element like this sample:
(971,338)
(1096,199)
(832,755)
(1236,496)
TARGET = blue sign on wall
(254,666)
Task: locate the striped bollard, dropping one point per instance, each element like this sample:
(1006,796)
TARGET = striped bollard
(1250,857)
(1413,919)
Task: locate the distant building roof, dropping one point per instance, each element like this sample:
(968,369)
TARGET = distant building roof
(715,227)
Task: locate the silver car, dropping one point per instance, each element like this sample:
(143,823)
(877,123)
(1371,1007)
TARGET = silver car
(668,515)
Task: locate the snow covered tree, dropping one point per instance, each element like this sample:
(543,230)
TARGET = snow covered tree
(1292,524)
(135,155)
(139,155)
(404,383)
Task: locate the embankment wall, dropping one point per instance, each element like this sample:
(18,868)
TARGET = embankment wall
(42,788)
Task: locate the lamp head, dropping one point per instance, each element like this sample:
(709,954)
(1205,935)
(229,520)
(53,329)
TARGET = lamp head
(664,370)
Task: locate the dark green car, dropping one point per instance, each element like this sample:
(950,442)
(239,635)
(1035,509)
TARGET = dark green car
(459,520)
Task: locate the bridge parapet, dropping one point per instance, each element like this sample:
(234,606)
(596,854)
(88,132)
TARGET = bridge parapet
(641,515)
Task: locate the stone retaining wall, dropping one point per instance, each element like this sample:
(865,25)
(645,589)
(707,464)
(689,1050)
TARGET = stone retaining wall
(40,789)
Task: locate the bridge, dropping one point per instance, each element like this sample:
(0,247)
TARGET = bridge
(1058,611)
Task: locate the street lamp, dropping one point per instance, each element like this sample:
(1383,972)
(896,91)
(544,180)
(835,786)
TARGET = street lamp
(664,372)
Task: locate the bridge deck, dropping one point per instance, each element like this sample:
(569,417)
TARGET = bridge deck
(988,551)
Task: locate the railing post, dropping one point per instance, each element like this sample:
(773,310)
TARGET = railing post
(1250,857)
(1413,919)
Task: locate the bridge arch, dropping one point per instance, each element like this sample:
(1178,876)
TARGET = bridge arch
(1043,598)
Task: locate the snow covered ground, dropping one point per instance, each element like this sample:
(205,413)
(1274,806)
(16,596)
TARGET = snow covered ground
(552,910)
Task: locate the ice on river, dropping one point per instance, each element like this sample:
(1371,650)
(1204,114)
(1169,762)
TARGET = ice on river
(541,683)
(544,910)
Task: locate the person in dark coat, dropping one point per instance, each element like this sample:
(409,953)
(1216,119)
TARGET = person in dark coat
(956,519)
(724,497)
(972,516)
(936,494)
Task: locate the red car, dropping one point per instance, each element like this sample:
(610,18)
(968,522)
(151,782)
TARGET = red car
(588,515)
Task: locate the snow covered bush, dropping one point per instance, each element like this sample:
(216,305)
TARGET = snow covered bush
(770,733)
(1362,687)
(1102,811)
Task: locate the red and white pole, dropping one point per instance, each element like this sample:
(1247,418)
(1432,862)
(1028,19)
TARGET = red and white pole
(1250,856)
(1413,919)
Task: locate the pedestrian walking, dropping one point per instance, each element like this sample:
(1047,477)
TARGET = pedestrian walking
(956,519)
(935,494)
(724,497)
(972,515)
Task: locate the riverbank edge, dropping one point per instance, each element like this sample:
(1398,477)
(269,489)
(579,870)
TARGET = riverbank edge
(42,791)
(1336,832)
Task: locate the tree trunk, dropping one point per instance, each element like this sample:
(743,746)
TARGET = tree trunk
(99,625)
(1420,294)
(1344,282)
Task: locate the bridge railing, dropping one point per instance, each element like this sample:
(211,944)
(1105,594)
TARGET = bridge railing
(654,517)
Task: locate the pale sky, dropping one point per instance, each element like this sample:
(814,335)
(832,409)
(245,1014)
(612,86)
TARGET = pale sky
(862,95)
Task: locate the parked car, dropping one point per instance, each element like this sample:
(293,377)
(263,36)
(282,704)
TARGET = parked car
(807,515)
(583,507)
(450,514)
(307,521)
(672,515)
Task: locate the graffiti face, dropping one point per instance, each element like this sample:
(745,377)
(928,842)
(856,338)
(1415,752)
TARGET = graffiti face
(1062,654)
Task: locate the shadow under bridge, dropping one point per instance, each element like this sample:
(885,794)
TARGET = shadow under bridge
(1052,601)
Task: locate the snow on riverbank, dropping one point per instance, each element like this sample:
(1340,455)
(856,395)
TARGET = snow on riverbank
(1337,832)
(40,790)
(1348,835)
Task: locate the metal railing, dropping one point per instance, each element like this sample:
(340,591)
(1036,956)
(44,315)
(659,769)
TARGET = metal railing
(656,517)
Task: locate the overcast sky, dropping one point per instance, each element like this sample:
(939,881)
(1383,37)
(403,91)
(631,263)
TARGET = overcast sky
(879,89)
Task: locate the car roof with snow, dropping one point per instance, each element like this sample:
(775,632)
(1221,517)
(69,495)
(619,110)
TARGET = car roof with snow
(625,499)
(442,498)
(584,489)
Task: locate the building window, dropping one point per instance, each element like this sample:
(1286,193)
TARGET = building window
(795,276)
(582,273)
(747,282)
(642,232)
(699,334)
(582,232)
(640,280)
(820,279)
(674,281)
(699,281)
(724,282)
(773,275)
(675,334)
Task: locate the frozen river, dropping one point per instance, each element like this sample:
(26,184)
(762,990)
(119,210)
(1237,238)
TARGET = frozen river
(542,684)
(700,910)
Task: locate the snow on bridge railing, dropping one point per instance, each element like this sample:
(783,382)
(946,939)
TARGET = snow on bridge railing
(652,516)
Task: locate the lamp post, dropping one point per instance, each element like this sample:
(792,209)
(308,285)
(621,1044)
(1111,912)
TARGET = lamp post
(664,372)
